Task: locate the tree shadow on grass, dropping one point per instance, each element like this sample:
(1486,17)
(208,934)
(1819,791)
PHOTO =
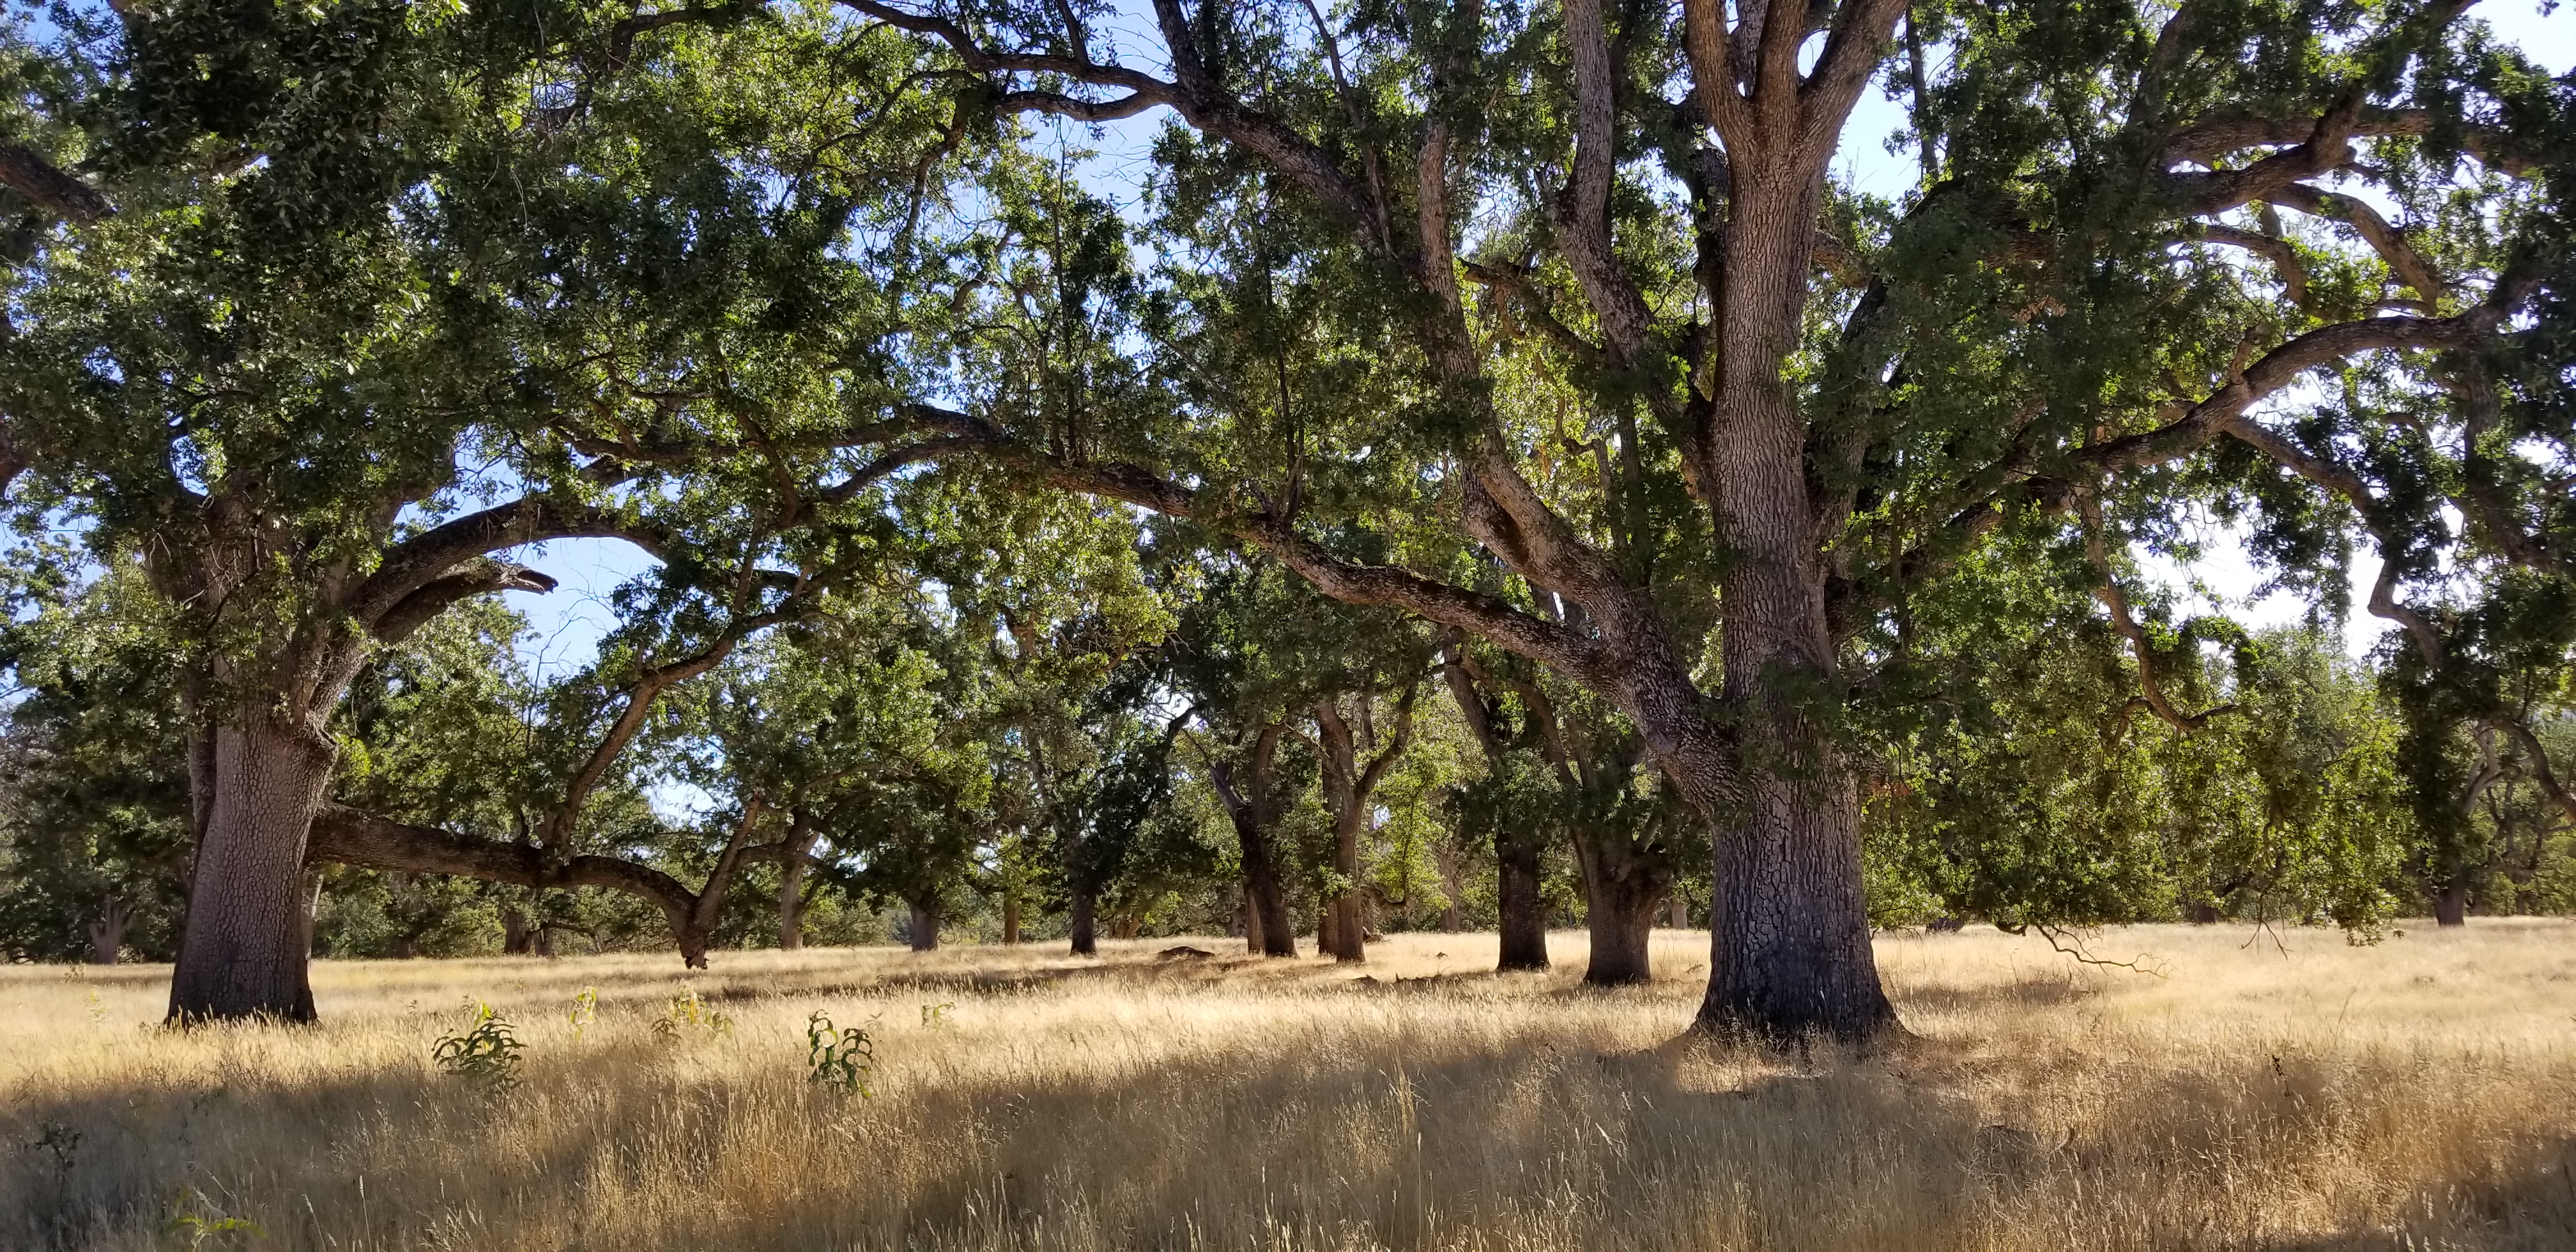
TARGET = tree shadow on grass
(1329,1135)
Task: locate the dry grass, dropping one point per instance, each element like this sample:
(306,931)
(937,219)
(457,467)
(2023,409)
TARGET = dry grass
(2416,1094)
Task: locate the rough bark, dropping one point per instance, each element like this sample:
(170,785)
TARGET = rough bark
(518,938)
(1789,934)
(245,948)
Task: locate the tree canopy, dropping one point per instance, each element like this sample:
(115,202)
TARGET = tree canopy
(1512,393)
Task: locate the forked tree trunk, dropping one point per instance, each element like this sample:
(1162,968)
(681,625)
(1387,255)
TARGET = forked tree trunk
(1524,913)
(1269,895)
(2451,906)
(925,927)
(1621,891)
(107,932)
(1248,807)
(245,950)
(1084,924)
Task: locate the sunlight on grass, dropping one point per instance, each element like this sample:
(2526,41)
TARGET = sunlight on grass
(2311,1095)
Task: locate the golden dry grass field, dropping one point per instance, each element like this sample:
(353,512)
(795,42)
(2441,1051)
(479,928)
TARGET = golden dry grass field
(2418,1094)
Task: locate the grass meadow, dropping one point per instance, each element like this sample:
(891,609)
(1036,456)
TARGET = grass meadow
(2266,1091)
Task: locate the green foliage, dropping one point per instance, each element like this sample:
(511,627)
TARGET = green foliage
(839,1058)
(486,1051)
(688,1014)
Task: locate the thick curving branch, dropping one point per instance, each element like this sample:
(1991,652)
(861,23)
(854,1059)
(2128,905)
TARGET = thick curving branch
(27,172)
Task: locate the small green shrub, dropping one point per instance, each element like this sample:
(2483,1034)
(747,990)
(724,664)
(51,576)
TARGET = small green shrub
(839,1058)
(486,1052)
(584,1011)
(935,1014)
(688,1012)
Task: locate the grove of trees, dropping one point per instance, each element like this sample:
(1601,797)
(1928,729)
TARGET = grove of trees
(1468,465)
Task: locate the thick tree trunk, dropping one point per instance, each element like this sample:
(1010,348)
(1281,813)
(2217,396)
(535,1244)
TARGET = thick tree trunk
(1010,918)
(107,932)
(245,949)
(1268,893)
(1789,941)
(1621,891)
(925,927)
(407,947)
(2451,906)
(1524,913)
(517,937)
(1265,892)
(1084,923)
(693,945)
(1251,913)
(2201,913)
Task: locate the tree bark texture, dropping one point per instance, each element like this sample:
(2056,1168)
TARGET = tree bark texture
(1010,918)
(246,947)
(517,937)
(924,927)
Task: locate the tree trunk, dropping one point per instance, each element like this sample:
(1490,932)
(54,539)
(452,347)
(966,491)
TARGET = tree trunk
(407,947)
(2201,913)
(1524,913)
(925,927)
(1789,942)
(517,938)
(1010,918)
(1265,893)
(1252,931)
(791,883)
(1268,894)
(544,945)
(245,950)
(2451,907)
(1085,923)
(1621,891)
(693,945)
(107,932)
